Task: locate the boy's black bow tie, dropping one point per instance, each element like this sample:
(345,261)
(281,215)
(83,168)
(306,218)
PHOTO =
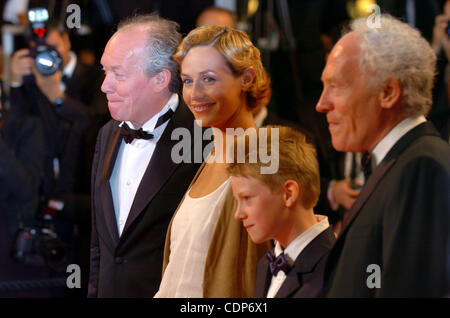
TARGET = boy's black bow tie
(277,264)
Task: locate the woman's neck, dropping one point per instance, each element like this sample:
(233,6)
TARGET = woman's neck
(224,139)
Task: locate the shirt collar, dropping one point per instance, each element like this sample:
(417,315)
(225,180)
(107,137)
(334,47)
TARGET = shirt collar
(383,147)
(70,67)
(150,124)
(293,250)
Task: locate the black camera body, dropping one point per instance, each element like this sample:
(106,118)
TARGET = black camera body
(46,58)
(39,246)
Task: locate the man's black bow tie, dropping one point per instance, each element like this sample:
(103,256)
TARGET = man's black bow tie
(130,134)
(277,264)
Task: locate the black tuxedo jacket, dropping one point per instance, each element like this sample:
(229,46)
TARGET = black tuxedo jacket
(305,279)
(400,222)
(131,265)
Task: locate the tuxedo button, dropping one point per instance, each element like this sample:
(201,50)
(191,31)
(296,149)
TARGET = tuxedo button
(118,260)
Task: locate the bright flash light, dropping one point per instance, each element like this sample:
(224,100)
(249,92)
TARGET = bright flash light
(45,62)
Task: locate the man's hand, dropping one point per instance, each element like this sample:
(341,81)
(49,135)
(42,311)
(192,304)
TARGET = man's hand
(343,194)
(49,85)
(21,65)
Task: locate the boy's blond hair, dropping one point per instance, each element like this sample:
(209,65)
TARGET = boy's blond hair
(297,161)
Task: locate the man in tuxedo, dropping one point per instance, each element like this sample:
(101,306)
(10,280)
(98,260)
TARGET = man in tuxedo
(136,186)
(377,91)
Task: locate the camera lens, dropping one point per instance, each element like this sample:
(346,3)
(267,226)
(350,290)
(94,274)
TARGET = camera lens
(48,62)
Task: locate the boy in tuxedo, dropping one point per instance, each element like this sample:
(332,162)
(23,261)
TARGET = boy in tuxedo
(279,207)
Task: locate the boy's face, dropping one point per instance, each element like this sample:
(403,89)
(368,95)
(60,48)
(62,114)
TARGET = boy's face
(262,212)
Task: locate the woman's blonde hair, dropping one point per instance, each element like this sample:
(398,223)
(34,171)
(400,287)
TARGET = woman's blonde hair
(237,50)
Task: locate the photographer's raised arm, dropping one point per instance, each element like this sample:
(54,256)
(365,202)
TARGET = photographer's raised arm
(21,65)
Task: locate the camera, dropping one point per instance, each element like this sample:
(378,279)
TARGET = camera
(40,246)
(46,57)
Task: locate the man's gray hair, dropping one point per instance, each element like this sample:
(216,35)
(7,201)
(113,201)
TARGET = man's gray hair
(398,50)
(163,39)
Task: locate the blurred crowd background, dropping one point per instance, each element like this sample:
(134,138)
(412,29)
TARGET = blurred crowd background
(294,37)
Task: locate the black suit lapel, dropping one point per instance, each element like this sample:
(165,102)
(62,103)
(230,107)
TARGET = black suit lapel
(367,190)
(263,279)
(105,188)
(306,263)
(379,172)
(161,165)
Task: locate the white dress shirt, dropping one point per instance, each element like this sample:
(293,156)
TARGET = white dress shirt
(132,161)
(68,69)
(388,141)
(294,249)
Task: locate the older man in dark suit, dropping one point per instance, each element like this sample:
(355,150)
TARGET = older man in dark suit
(136,184)
(377,91)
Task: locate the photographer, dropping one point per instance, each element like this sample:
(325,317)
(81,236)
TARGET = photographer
(69,103)
(72,108)
(22,156)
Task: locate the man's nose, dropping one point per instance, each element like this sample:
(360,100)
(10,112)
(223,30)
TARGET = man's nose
(107,85)
(324,104)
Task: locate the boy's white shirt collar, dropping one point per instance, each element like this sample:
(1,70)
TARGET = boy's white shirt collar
(293,250)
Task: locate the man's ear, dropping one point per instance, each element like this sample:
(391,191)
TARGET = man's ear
(291,193)
(247,78)
(162,80)
(391,92)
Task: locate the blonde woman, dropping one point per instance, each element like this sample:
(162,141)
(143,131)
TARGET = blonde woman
(208,253)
